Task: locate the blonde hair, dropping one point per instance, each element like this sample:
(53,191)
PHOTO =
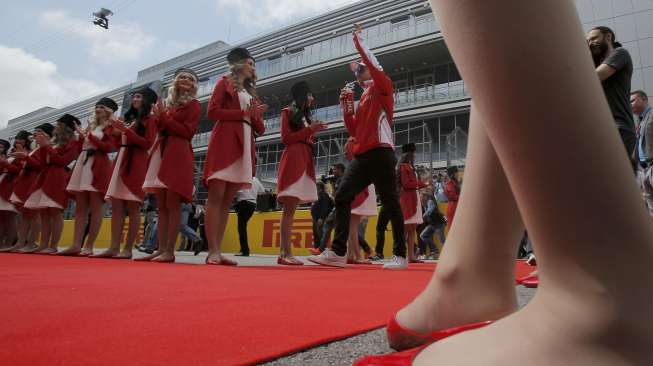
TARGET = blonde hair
(249,84)
(62,134)
(95,123)
(177,98)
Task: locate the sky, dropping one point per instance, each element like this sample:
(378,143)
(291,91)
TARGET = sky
(52,55)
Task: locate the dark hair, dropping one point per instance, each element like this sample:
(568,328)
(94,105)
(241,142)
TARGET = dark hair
(340,166)
(605,31)
(297,115)
(139,114)
(321,186)
(641,94)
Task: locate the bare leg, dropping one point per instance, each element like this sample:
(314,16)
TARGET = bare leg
(82,202)
(221,195)
(46,230)
(57,227)
(117,223)
(287,220)
(582,314)
(411,231)
(353,249)
(134,211)
(10,233)
(96,204)
(173,217)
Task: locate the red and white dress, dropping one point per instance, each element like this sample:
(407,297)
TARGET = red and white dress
(365,203)
(411,205)
(49,189)
(8,176)
(171,162)
(130,165)
(31,166)
(231,155)
(92,170)
(297,168)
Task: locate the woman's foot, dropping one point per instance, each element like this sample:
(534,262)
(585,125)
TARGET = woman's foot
(70,252)
(125,254)
(86,252)
(47,251)
(164,258)
(454,298)
(109,253)
(31,249)
(217,259)
(12,248)
(148,257)
(289,261)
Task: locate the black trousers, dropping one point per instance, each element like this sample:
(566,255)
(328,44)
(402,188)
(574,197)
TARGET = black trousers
(381,227)
(317,233)
(375,166)
(244,210)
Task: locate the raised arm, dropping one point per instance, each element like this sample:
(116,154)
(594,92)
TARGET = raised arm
(188,126)
(288,136)
(217,111)
(381,80)
(63,156)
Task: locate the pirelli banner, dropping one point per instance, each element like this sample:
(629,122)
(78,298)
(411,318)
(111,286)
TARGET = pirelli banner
(263,234)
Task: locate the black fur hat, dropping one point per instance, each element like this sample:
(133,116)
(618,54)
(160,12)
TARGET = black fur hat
(237,55)
(109,103)
(23,135)
(46,127)
(70,121)
(409,147)
(6,145)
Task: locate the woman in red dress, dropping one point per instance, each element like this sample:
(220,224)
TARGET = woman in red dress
(170,168)
(297,170)
(28,225)
(125,190)
(411,205)
(9,169)
(452,190)
(48,193)
(230,159)
(90,176)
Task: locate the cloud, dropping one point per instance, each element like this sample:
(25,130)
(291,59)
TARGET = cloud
(29,83)
(266,13)
(121,42)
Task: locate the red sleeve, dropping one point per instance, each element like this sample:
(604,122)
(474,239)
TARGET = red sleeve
(350,122)
(106,144)
(14,167)
(258,126)
(451,191)
(64,155)
(187,127)
(288,136)
(217,111)
(34,161)
(146,141)
(381,80)
(408,178)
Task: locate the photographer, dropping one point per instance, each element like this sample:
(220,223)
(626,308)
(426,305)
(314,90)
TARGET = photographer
(335,176)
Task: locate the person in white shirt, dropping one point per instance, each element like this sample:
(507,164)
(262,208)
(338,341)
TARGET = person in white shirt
(245,207)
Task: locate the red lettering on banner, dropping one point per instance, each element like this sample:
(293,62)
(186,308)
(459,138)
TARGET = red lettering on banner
(301,233)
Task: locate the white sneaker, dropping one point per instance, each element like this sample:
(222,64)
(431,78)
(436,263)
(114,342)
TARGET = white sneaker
(329,258)
(396,263)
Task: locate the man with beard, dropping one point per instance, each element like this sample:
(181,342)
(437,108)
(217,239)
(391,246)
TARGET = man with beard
(614,67)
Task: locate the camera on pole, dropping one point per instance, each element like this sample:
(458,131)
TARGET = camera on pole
(102,17)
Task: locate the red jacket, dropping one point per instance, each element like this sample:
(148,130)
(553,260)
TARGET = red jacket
(54,176)
(409,186)
(226,144)
(452,191)
(176,131)
(10,172)
(101,164)
(372,122)
(31,166)
(136,150)
(297,157)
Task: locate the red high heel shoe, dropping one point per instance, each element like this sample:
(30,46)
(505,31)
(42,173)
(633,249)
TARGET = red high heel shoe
(400,338)
(404,358)
(530,281)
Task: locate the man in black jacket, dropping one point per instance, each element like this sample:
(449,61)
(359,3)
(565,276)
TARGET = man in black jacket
(319,211)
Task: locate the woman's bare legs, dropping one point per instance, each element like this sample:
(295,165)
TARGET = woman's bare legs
(46,229)
(96,204)
(117,223)
(353,248)
(82,206)
(134,212)
(221,195)
(287,220)
(582,314)
(56,215)
(475,277)
(411,231)
(27,226)
(9,231)
(173,220)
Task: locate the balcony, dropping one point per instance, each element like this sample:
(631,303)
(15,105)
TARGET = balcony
(404,98)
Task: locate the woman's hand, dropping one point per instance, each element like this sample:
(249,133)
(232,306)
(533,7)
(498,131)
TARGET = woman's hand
(159,110)
(256,110)
(118,125)
(42,139)
(317,126)
(357,29)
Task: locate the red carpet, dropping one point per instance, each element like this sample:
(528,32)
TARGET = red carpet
(75,311)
